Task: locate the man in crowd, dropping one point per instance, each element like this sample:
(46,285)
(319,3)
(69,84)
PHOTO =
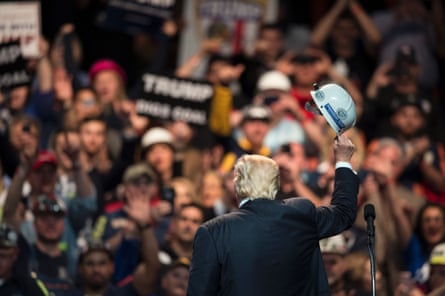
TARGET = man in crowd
(249,138)
(13,280)
(183,231)
(119,230)
(174,278)
(333,249)
(96,261)
(48,255)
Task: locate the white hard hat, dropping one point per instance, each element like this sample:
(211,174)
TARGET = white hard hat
(273,80)
(437,256)
(336,106)
(256,112)
(334,244)
(156,135)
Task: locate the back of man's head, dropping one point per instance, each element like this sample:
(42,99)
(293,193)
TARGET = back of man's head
(256,176)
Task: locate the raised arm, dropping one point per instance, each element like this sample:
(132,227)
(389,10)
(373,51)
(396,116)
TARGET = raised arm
(342,212)
(13,198)
(145,276)
(324,26)
(368,27)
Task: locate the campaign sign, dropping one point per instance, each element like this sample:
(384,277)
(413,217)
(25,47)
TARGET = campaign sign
(171,98)
(12,66)
(136,16)
(21,21)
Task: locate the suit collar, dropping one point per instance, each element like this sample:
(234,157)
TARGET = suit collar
(248,200)
(244,201)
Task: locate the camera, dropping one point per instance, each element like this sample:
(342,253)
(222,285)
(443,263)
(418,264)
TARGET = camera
(269,100)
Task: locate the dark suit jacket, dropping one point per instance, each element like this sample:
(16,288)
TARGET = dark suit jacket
(271,247)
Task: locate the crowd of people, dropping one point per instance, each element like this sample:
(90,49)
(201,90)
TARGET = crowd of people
(99,200)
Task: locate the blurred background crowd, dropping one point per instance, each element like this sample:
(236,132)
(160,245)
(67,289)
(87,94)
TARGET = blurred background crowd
(98,199)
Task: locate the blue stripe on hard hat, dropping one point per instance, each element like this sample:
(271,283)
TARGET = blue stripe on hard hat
(334,116)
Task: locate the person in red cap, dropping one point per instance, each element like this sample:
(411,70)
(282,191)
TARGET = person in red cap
(108,78)
(39,174)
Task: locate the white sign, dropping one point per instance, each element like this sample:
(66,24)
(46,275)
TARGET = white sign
(21,21)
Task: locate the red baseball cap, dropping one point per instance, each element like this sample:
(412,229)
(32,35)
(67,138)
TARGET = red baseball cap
(106,64)
(44,157)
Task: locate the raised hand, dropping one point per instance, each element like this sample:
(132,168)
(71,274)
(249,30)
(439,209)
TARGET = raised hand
(343,148)
(138,205)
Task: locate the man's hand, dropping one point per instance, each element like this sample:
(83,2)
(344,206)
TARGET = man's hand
(138,205)
(343,149)
(28,152)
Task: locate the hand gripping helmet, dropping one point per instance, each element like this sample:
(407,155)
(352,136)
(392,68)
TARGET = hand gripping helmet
(336,106)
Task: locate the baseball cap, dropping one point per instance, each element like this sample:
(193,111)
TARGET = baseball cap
(157,135)
(44,157)
(135,171)
(334,244)
(256,112)
(275,80)
(94,246)
(107,64)
(46,204)
(8,236)
(437,256)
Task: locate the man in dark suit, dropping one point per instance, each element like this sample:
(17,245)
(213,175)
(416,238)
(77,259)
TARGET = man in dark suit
(271,247)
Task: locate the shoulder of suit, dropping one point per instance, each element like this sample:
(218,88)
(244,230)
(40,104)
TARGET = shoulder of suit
(223,219)
(298,202)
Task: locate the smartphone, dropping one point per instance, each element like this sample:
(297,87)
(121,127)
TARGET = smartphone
(168,194)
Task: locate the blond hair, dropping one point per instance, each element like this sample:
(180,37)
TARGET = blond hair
(256,176)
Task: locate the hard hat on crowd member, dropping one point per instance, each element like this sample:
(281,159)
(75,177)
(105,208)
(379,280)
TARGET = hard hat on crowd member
(273,80)
(334,245)
(256,112)
(336,106)
(157,135)
(437,256)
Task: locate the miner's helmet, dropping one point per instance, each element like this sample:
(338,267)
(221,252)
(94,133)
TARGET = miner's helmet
(335,104)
